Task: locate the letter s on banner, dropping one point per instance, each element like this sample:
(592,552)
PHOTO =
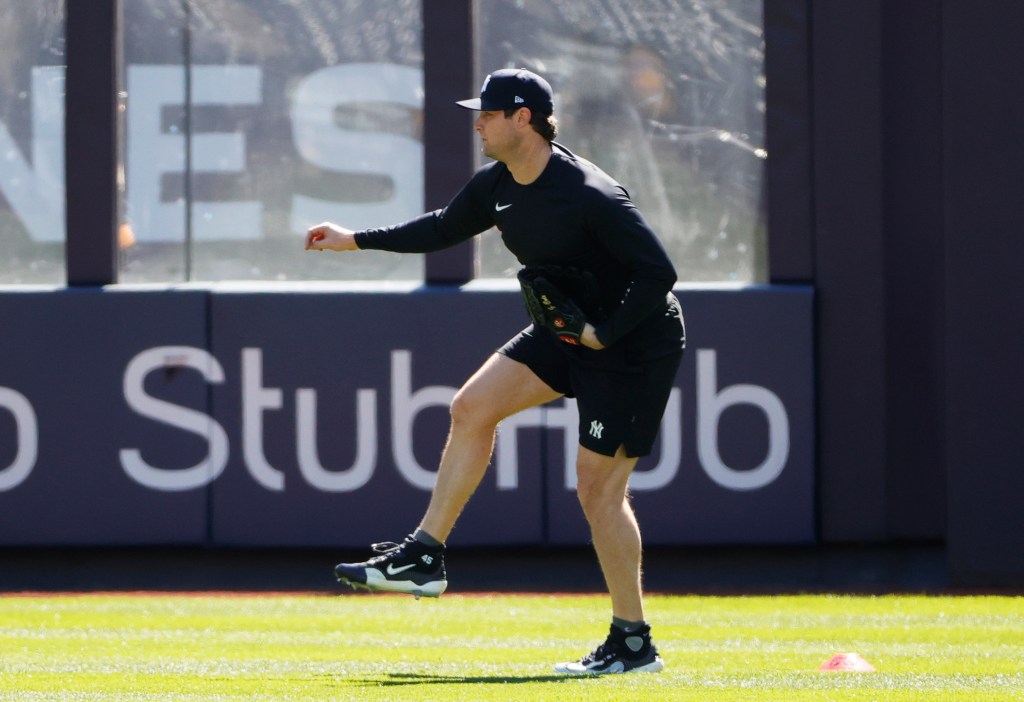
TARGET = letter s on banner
(320,140)
(207,470)
(28,439)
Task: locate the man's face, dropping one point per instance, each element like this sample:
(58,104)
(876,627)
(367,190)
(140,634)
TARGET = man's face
(497,133)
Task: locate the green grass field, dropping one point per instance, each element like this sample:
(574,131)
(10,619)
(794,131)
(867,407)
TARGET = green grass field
(480,647)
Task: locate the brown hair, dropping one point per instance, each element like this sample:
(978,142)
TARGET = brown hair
(545,125)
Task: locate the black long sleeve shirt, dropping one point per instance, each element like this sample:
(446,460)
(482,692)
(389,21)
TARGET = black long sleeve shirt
(572,215)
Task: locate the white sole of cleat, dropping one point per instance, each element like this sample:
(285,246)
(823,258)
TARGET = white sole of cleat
(576,668)
(376,582)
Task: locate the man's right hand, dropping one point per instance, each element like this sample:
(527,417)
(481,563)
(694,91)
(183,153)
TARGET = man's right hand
(327,235)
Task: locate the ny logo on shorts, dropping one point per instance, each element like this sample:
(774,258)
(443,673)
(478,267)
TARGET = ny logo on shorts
(596,428)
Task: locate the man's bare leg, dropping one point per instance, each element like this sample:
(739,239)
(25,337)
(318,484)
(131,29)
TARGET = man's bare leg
(499,389)
(602,490)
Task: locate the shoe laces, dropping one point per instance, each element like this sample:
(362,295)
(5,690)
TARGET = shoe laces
(613,646)
(386,549)
(609,649)
(385,546)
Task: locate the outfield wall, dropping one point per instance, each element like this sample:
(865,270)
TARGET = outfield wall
(314,416)
(892,190)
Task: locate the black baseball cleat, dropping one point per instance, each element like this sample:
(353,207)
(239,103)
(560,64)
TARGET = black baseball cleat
(411,567)
(621,652)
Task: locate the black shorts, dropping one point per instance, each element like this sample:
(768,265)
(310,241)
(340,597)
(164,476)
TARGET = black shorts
(616,408)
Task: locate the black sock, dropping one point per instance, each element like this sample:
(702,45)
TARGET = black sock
(426,539)
(626,625)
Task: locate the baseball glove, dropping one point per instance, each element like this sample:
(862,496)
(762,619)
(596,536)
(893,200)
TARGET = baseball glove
(549,307)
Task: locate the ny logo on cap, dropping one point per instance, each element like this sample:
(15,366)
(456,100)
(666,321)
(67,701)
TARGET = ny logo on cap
(519,100)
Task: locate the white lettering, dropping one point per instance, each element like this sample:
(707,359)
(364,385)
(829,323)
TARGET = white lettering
(366,443)
(320,140)
(151,153)
(507,447)
(405,405)
(564,417)
(184,418)
(710,405)
(255,399)
(36,195)
(27,432)
(35,188)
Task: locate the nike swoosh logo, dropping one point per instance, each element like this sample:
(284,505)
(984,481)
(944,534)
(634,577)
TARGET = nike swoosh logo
(499,208)
(392,570)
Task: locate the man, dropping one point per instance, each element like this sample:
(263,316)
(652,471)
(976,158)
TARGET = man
(573,226)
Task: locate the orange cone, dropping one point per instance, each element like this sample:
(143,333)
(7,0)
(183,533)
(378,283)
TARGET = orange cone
(850,662)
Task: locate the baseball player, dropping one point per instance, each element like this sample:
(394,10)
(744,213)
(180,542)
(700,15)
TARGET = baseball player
(606,330)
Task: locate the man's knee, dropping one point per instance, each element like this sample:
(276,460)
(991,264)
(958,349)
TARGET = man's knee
(590,493)
(470,407)
(601,482)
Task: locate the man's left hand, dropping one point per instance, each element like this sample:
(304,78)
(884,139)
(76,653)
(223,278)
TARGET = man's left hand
(589,338)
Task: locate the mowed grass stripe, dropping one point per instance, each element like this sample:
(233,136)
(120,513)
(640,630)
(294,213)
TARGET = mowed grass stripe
(501,647)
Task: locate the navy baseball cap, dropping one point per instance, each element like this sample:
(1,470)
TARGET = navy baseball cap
(511,88)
